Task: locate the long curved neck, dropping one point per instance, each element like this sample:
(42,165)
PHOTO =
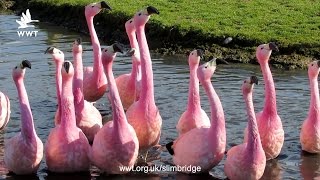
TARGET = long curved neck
(134,44)
(68,119)
(217,128)
(314,113)
(194,97)
(118,115)
(27,126)
(78,83)
(147,91)
(97,64)
(270,105)
(58,83)
(253,132)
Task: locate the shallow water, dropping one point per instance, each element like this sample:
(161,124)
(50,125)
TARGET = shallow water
(171,78)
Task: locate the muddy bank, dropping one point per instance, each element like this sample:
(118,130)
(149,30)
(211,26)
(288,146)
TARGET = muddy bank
(168,40)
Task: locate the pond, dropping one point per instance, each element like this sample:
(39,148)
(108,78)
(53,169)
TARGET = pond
(171,79)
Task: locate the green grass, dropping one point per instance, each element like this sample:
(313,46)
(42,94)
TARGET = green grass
(289,22)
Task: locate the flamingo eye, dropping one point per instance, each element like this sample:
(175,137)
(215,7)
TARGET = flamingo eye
(139,14)
(245,81)
(261,48)
(92,6)
(16,67)
(130,22)
(311,64)
(191,53)
(206,67)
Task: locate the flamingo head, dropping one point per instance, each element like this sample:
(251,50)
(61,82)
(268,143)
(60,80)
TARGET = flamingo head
(129,25)
(248,84)
(77,47)
(263,51)
(142,17)
(94,8)
(67,70)
(195,56)
(57,55)
(19,70)
(313,69)
(109,53)
(206,70)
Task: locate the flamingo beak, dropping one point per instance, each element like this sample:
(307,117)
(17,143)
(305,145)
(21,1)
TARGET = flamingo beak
(318,62)
(117,47)
(152,10)
(66,66)
(131,52)
(26,63)
(105,5)
(254,79)
(200,53)
(49,50)
(79,40)
(213,62)
(273,47)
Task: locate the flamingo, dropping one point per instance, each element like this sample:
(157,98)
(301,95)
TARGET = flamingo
(67,147)
(23,152)
(116,144)
(4,110)
(194,116)
(88,117)
(128,84)
(143,114)
(58,57)
(309,134)
(94,82)
(268,120)
(203,146)
(248,160)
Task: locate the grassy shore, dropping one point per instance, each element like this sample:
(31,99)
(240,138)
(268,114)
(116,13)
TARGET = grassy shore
(182,24)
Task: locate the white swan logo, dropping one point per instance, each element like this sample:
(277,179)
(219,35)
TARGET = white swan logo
(25,19)
(24,23)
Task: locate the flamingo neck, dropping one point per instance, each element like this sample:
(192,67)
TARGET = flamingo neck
(58,83)
(217,128)
(253,133)
(270,105)
(97,64)
(194,97)
(119,117)
(27,126)
(314,114)
(78,84)
(147,91)
(68,119)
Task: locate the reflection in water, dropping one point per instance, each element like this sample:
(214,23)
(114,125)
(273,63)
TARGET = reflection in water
(310,165)
(171,81)
(272,171)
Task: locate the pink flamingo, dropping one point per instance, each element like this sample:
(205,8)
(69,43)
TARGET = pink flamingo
(23,152)
(88,117)
(116,144)
(94,82)
(309,134)
(128,84)
(203,146)
(67,147)
(143,114)
(58,57)
(247,160)
(194,116)
(4,110)
(269,123)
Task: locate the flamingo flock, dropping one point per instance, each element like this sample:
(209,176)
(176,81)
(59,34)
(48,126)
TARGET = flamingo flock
(80,139)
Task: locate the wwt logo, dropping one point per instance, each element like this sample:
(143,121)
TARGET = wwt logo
(24,23)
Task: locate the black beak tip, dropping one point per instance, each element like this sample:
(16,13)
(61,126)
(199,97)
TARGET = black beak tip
(273,46)
(131,52)
(66,66)
(152,10)
(200,53)
(169,148)
(105,5)
(117,47)
(254,79)
(26,64)
(79,40)
(49,50)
